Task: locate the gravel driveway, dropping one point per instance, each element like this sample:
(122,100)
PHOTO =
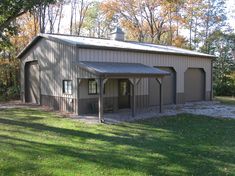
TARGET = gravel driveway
(214,109)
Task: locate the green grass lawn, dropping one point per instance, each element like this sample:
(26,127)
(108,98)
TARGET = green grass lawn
(226,100)
(34,142)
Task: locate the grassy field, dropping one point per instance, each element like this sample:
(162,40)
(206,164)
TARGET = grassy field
(33,142)
(226,100)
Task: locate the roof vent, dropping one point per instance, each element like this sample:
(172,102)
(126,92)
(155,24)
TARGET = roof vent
(117,34)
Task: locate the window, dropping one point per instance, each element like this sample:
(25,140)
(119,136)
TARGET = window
(93,88)
(67,86)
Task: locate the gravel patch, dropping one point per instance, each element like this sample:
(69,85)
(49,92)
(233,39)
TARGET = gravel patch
(213,109)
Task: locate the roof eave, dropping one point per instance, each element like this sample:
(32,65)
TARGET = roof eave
(89,69)
(118,75)
(132,75)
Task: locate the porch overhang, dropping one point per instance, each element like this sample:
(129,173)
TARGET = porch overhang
(123,70)
(102,71)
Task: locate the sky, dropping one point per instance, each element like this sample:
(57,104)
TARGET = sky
(231,12)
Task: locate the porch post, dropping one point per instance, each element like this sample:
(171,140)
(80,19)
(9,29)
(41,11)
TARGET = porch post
(101,102)
(133,100)
(78,86)
(79,80)
(161,94)
(134,83)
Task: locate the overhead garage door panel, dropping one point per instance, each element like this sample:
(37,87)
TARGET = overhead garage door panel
(32,82)
(194,85)
(169,88)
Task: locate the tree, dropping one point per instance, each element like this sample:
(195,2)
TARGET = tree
(193,14)
(10,10)
(170,13)
(28,29)
(156,19)
(61,5)
(9,79)
(78,13)
(222,45)
(153,21)
(95,23)
(53,11)
(16,29)
(129,14)
(214,18)
(137,17)
(174,19)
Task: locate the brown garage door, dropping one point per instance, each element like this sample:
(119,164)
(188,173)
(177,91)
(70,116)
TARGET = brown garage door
(169,88)
(194,85)
(32,82)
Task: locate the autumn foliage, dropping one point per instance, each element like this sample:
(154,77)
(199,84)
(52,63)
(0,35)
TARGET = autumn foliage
(9,64)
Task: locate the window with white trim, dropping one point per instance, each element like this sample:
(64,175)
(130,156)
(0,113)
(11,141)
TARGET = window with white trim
(67,86)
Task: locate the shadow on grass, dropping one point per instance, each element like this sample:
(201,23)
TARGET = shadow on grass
(172,146)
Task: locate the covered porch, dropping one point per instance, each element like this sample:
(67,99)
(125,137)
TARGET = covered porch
(131,73)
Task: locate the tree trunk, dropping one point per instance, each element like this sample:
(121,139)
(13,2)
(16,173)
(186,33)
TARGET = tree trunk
(71,18)
(60,16)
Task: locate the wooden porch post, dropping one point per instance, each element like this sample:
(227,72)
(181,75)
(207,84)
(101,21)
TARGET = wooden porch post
(134,83)
(79,80)
(101,100)
(161,94)
(133,99)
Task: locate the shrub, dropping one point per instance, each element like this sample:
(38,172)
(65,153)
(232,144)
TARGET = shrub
(226,86)
(9,79)
(13,92)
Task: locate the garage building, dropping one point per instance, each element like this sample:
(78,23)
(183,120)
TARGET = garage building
(68,73)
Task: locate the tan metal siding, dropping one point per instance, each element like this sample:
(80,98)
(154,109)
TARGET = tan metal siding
(179,63)
(169,92)
(57,63)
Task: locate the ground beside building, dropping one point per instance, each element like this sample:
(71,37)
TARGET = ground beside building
(36,142)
